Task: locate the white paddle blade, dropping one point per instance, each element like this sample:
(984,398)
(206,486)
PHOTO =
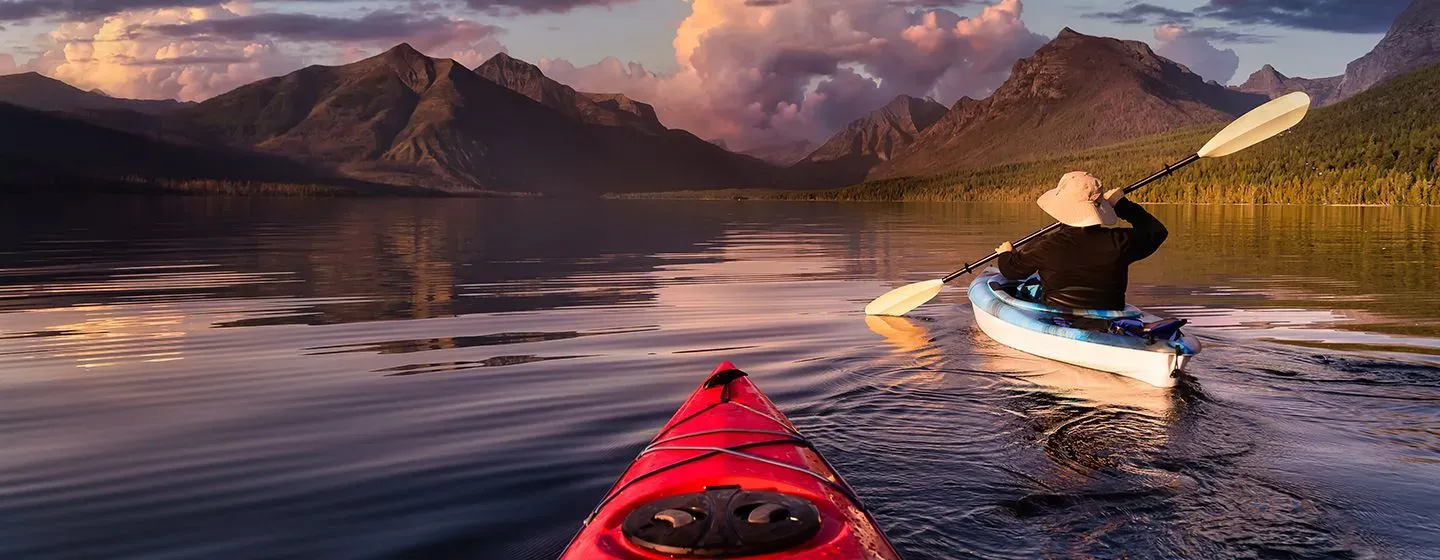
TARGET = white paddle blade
(905,299)
(1260,124)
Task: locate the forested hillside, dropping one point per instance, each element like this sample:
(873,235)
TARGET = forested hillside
(1379,147)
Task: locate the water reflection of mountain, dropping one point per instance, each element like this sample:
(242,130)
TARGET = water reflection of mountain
(399,258)
(347,260)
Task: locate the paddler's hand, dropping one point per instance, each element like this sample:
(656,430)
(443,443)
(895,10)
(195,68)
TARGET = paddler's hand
(1114,196)
(1005,247)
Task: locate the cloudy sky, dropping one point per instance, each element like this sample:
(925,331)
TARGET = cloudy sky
(749,71)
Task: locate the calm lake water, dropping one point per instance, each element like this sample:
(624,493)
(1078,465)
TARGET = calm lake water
(245,378)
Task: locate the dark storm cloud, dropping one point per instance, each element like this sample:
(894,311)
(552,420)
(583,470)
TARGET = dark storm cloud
(16,10)
(20,10)
(849,95)
(306,27)
(1142,13)
(1344,16)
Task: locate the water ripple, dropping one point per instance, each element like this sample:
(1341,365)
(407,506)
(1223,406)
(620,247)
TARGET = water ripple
(218,378)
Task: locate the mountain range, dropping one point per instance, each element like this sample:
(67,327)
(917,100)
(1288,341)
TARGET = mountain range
(404,119)
(1076,92)
(1412,43)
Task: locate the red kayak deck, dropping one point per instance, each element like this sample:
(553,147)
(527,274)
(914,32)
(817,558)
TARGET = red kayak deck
(729,476)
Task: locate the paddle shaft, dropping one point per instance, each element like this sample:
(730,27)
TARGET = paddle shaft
(1052,227)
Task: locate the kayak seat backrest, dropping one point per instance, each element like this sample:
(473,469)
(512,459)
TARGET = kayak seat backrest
(1162,329)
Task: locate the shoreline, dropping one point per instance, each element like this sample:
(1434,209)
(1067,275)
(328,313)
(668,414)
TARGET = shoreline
(766,195)
(715,196)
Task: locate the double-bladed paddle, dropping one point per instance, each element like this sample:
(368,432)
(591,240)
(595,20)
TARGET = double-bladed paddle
(1252,128)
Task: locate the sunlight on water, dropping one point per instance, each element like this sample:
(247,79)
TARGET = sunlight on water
(440,378)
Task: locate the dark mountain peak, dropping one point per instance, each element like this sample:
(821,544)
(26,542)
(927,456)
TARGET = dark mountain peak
(848,155)
(1412,43)
(903,101)
(509,64)
(1077,91)
(403,51)
(1265,79)
(1068,44)
(638,114)
(1269,82)
(608,109)
(1075,64)
(528,80)
(909,114)
(1069,39)
(410,66)
(518,75)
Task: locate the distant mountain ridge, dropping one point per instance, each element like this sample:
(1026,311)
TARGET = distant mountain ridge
(1271,83)
(36,91)
(786,153)
(850,154)
(883,132)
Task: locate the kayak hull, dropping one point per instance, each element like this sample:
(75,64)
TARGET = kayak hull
(728,443)
(1030,328)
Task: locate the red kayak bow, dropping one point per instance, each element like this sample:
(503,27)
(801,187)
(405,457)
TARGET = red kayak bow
(729,477)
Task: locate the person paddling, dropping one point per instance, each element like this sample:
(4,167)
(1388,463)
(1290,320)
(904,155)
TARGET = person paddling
(1085,264)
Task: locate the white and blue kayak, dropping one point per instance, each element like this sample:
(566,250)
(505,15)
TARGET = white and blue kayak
(1145,348)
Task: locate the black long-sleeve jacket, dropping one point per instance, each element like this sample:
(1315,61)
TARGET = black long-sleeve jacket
(1088,268)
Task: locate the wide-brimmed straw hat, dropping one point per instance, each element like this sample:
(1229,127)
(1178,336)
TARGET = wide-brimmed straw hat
(1079,201)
